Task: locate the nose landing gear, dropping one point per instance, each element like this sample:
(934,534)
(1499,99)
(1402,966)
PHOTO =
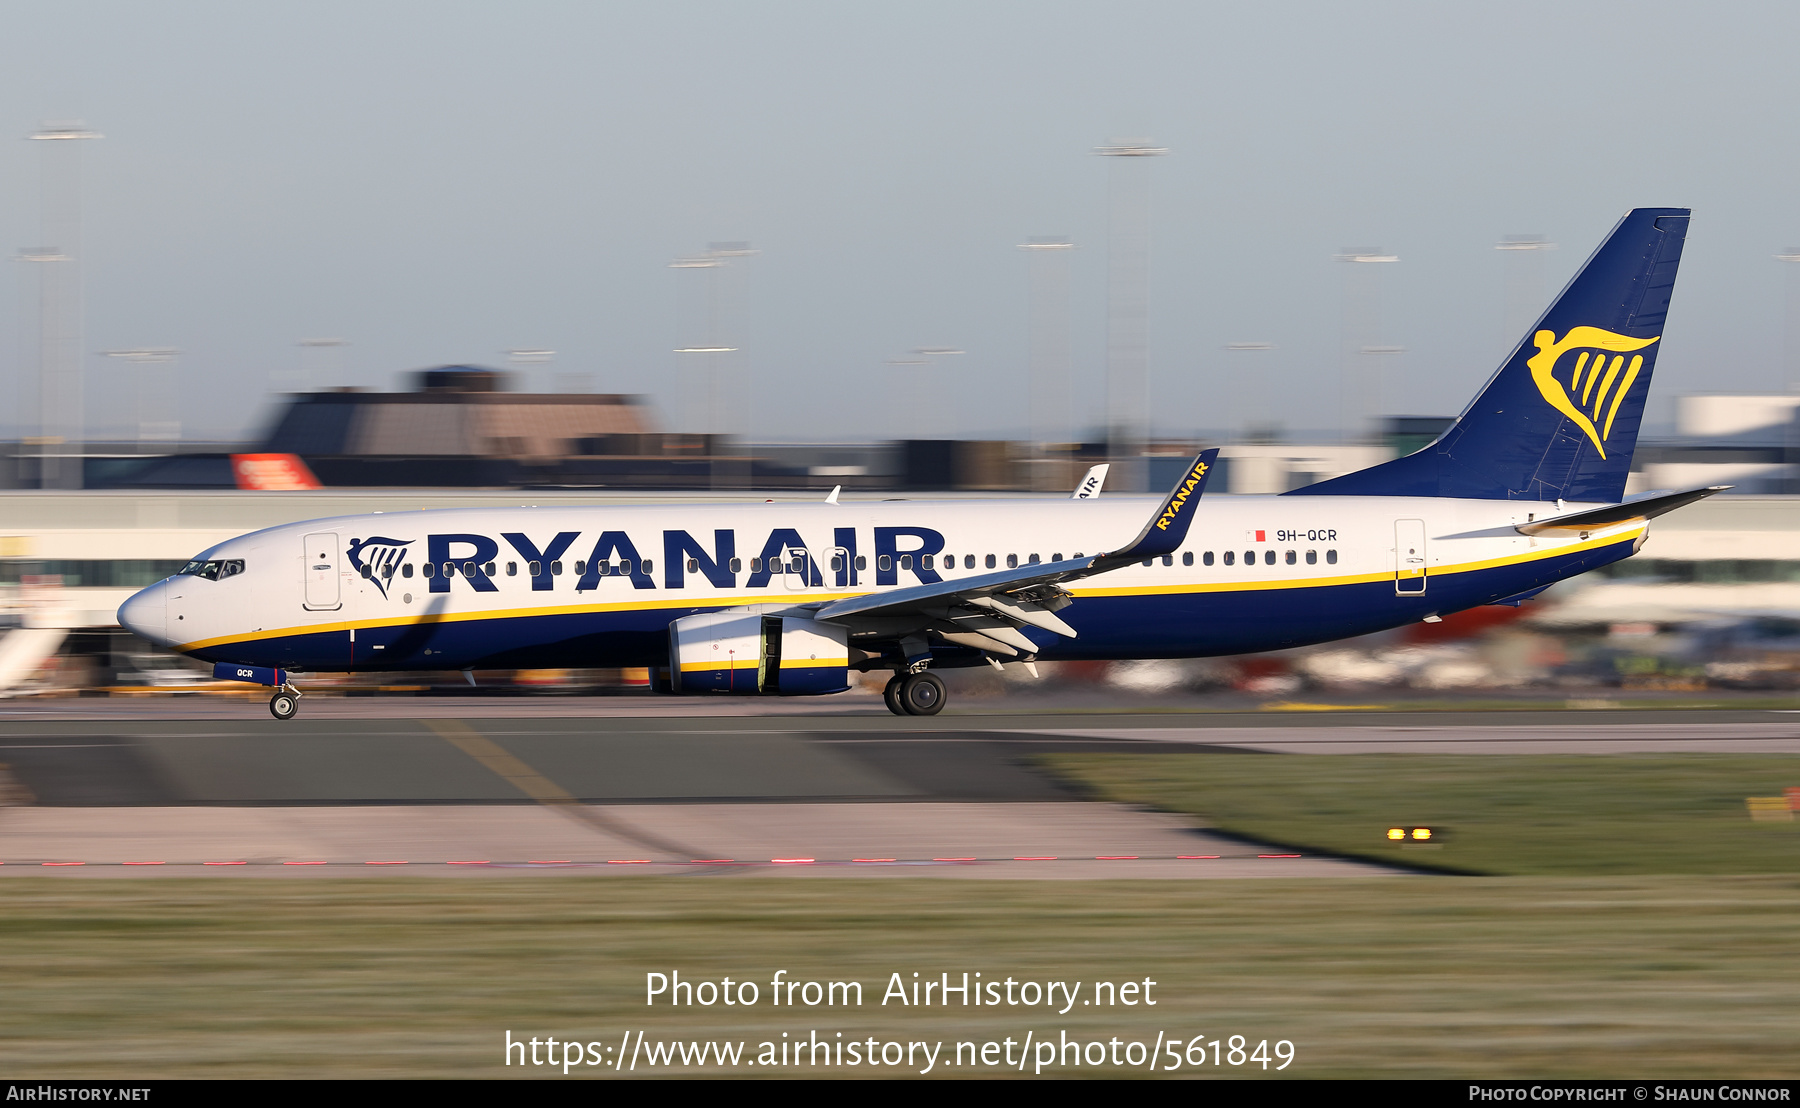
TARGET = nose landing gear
(915,694)
(286,703)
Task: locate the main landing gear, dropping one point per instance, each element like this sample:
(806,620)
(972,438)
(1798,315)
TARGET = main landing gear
(286,703)
(915,694)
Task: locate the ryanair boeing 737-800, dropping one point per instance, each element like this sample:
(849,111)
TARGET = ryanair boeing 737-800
(784,598)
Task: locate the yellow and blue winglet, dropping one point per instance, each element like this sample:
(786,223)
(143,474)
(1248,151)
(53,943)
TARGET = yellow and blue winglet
(1168,528)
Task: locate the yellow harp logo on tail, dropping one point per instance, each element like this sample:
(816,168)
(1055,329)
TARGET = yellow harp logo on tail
(1596,384)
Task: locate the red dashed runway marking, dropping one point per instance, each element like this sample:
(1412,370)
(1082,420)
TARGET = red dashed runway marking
(964,860)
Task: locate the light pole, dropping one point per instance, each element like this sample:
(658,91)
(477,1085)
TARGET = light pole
(60,326)
(1524,282)
(154,386)
(1250,375)
(1792,328)
(1128,308)
(707,321)
(320,360)
(1050,351)
(520,359)
(1362,330)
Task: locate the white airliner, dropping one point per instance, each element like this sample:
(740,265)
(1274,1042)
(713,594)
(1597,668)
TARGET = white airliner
(790,598)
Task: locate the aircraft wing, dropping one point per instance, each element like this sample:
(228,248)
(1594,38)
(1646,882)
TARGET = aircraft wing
(986,611)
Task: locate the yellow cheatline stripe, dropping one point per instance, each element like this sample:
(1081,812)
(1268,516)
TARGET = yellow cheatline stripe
(1360,578)
(702,667)
(815,663)
(807,598)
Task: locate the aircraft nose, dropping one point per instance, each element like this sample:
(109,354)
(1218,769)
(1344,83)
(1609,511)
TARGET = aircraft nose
(146,614)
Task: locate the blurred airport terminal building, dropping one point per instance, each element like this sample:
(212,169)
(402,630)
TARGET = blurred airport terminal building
(1712,601)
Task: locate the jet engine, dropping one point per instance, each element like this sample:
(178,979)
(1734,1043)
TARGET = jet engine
(749,654)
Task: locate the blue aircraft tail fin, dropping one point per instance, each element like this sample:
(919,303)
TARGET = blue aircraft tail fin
(1560,418)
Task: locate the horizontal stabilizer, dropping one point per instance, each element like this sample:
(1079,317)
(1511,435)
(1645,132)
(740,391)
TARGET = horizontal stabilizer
(1631,511)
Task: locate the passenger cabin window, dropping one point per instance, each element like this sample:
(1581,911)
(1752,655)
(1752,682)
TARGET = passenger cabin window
(862,561)
(534,568)
(556,569)
(756,565)
(1312,557)
(512,569)
(488,570)
(1230,557)
(1187,558)
(1033,560)
(924,561)
(906,561)
(406,570)
(884,563)
(580,566)
(1290,557)
(1168,559)
(1268,557)
(968,561)
(649,566)
(1331,557)
(430,569)
(737,565)
(1012,561)
(693,565)
(1056,557)
(990,561)
(368,572)
(1249,557)
(1206,558)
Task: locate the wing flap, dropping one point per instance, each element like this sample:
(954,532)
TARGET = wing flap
(986,611)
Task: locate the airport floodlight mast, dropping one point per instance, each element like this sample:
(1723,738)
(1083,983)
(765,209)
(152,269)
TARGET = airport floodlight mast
(1253,421)
(1525,295)
(1050,357)
(321,360)
(521,361)
(709,320)
(157,417)
(1792,336)
(1360,402)
(62,422)
(1128,309)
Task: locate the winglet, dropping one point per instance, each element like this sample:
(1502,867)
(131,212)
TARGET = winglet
(835,489)
(1090,484)
(1168,528)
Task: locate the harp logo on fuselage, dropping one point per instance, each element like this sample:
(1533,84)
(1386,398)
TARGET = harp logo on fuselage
(1598,377)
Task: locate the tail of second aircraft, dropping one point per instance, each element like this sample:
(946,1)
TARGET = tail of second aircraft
(1560,418)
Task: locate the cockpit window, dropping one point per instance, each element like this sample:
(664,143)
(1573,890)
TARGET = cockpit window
(214,570)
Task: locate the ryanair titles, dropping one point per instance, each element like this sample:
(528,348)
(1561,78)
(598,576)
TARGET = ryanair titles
(475,559)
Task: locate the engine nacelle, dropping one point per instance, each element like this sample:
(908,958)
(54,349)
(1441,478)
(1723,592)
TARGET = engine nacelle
(748,653)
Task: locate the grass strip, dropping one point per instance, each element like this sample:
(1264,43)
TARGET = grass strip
(1499,814)
(406,977)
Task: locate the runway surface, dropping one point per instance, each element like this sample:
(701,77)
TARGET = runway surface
(611,792)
